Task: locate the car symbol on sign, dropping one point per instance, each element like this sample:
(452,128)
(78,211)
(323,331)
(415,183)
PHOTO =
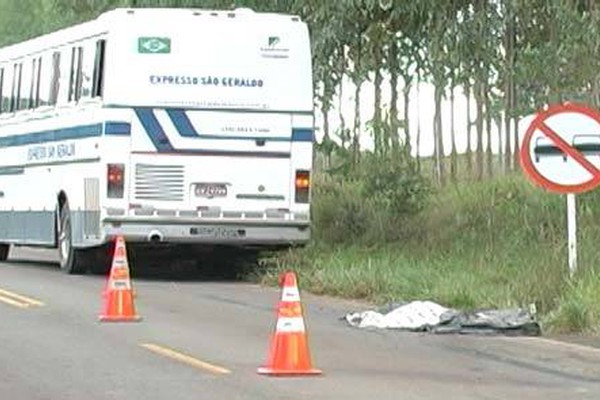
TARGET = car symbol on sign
(588,145)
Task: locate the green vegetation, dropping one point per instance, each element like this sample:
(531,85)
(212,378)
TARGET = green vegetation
(500,243)
(382,231)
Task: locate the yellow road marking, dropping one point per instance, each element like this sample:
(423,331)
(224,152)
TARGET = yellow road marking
(9,301)
(18,300)
(175,355)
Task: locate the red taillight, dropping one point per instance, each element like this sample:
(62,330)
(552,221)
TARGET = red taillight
(302,184)
(115,179)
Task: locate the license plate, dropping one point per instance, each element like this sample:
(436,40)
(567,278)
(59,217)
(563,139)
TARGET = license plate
(210,190)
(218,232)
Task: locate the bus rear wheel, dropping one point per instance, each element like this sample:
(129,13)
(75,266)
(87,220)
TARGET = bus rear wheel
(99,259)
(4,248)
(71,260)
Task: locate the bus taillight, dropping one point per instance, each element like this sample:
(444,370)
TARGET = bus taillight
(302,186)
(115,180)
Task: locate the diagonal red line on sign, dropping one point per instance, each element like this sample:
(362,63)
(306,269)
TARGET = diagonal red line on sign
(565,147)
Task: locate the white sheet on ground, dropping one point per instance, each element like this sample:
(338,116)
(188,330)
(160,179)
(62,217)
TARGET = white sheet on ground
(415,315)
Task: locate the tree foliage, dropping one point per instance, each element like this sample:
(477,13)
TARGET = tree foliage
(511,56)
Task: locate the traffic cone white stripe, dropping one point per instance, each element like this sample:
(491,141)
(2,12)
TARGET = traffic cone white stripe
(290,294)
(290,325)
(122,284)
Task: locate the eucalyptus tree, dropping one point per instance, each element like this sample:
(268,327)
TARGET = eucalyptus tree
(508,75)
(375,35)
(466,38)
(453,64)
(407,26)
(358,23)
(443,64)
(328,52)
(436,50)
(492,39)
(481,60)
(393,39)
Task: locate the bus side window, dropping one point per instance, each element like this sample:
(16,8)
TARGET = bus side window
(5,90)
(63,78)
(45,79)
(98,77)
(32,83)
(87,69)
(78,74)
(26,67)
(15,96)
(55,79)
(72,75)
(36,94)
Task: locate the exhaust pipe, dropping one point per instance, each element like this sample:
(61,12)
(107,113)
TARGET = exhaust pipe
(155,237)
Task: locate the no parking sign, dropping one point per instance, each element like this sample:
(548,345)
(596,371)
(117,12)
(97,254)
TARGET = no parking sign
(561,149)
(561,152)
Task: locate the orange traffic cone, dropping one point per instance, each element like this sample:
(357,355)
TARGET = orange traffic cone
(118,295)
(289,354)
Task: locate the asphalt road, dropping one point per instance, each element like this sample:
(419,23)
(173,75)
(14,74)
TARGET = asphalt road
(203,339)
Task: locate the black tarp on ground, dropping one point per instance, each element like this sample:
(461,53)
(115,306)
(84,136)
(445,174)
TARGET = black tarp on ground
(425,316)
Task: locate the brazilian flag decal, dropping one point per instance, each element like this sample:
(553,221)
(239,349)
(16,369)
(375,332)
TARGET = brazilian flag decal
(154,45)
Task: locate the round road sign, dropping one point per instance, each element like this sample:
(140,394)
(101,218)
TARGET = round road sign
(561,149)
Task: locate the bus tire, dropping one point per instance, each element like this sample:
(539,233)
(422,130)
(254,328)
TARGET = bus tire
(4,248)
(99,259)
(71,260)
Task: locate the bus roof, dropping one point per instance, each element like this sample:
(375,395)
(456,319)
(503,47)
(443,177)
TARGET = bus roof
(109,20)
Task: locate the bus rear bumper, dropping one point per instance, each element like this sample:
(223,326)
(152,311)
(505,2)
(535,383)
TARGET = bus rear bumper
(210,233)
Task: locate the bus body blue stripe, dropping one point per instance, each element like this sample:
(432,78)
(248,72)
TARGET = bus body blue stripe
(182,123)
(185,128)
(53,135)
(72,132)
(154,129)
(151,125)
(117,128)
(302,135)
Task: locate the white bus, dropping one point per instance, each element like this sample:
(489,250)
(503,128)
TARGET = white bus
(189,127)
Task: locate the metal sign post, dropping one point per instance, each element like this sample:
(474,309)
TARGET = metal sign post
(572,232)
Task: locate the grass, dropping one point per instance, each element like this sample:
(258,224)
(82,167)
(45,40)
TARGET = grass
(497,244)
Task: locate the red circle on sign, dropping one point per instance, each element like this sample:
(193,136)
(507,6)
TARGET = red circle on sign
(525,156)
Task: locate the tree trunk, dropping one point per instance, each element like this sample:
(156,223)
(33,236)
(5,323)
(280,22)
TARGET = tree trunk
(509,45)
(418,139)
(438,139)
(356,129)
(517,144)
(406,93)
(479,128)
(507,137)
(392,59)
(344,136)
(357,83)
(488,131)
(453,153)
(326,138)
(469,151)
(498,122)
(379,138)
